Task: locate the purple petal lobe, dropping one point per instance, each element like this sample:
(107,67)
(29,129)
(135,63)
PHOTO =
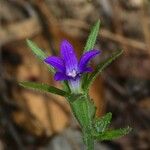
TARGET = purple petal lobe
(86,57)
(60,76)
(70,59)
(56,62)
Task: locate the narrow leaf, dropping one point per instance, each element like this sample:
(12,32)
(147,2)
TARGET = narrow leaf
(38,52)
(91,42)
(100,68)
(92,37)
(112,134)
(102,123)
(43,87)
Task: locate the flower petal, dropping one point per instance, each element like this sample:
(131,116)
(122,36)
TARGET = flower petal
(60,76)
(86,58)
(56,62)
(87,69)
(69,57)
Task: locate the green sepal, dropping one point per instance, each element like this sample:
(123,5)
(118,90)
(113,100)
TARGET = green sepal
(112,134)
(66,86)
(38,53)
(100,68)
(92,37)
(43,87)
(101,124)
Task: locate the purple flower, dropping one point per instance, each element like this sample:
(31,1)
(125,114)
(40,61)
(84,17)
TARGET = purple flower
(67,66)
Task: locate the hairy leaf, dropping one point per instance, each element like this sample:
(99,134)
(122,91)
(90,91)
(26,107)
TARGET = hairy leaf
(43,87)
(91,42)
(100,68)
(38,52)
(102,123)
(92,37)
(112,134)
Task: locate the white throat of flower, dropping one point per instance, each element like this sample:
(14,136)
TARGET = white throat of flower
(73,73)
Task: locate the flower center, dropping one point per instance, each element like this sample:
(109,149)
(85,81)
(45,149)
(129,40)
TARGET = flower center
(73,73)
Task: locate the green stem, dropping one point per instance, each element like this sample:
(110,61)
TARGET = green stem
(89,142)
(84,111)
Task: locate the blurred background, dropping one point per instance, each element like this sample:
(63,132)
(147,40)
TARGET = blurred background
(31,120)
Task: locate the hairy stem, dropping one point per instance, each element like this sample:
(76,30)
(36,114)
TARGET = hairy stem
(84,111)
(89,141)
